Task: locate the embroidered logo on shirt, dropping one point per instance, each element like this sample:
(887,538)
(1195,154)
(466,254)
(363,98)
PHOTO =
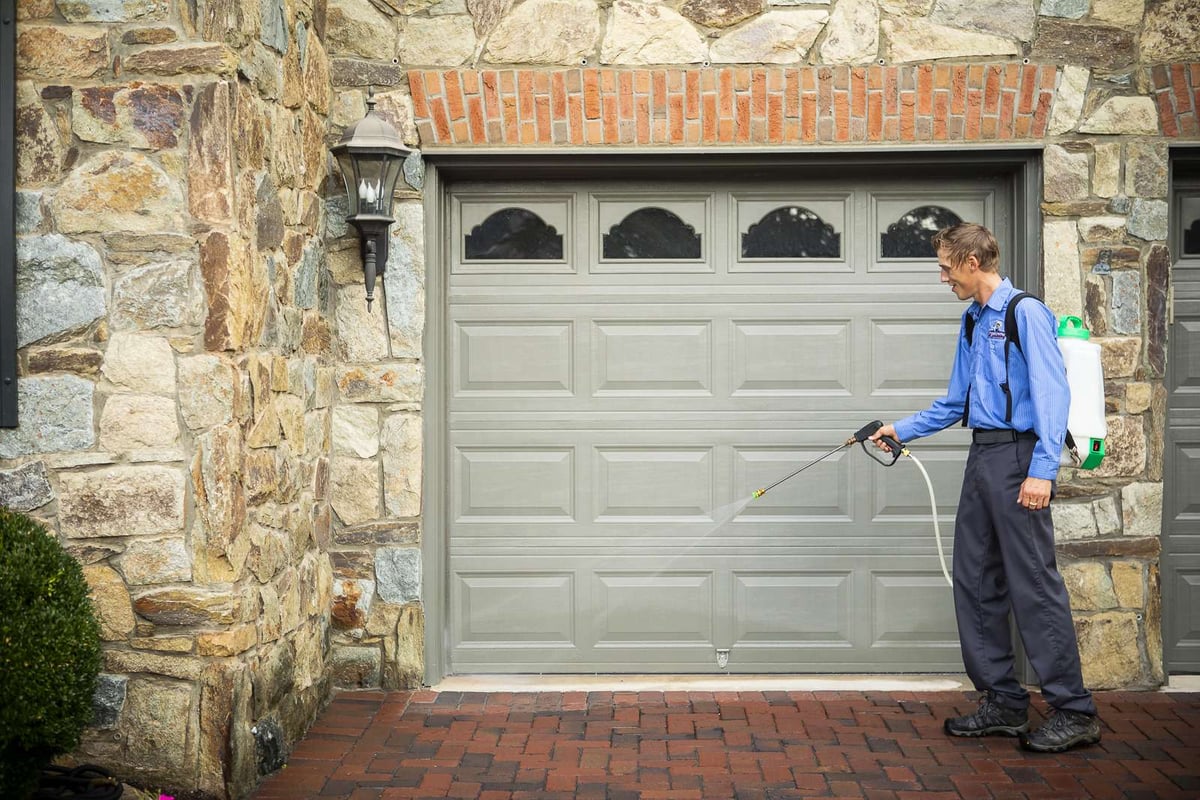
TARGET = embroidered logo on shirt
(996,331)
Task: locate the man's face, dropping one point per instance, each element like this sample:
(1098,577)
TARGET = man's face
(960,277)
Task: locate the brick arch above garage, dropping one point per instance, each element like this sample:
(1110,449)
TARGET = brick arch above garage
(920,103)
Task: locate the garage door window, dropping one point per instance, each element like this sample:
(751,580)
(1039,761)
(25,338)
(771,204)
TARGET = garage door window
(791,232)
(1191,226)
(514,234)
(908,237)
(651,233)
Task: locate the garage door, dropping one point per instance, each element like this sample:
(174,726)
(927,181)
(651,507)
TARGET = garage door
(628,361)
(1181,458)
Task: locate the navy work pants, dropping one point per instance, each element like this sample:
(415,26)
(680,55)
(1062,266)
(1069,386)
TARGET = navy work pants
(1004,559)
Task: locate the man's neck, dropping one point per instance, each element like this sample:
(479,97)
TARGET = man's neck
(988,283)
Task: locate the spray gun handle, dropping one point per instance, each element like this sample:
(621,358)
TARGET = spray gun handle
(865,432)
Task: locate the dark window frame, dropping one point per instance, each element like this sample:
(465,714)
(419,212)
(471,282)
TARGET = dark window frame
(8,240)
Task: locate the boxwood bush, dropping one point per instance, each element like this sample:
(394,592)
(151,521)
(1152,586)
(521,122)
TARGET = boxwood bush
(49,652)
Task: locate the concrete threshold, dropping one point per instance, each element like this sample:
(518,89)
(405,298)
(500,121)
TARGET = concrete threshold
(703,683)
(1182,683)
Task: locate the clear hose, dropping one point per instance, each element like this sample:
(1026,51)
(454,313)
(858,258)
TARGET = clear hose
(937,532)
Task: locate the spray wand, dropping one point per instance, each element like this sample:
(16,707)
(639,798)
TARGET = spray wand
(860,437)
(894,451)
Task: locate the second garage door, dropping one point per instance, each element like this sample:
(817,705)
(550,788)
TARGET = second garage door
(628,361)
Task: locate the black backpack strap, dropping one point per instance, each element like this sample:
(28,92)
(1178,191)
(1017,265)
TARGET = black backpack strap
(1012,335)
(968,334)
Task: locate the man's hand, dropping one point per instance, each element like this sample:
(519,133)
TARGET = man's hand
(1034,494)
(885,430)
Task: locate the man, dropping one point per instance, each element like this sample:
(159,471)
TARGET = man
(1003,534)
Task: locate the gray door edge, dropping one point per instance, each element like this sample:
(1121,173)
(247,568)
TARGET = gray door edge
(1024,168)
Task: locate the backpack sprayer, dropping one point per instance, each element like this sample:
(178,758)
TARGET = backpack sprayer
(894,451)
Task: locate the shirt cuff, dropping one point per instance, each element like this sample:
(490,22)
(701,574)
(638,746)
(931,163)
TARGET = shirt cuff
(904,431)
(1043,469)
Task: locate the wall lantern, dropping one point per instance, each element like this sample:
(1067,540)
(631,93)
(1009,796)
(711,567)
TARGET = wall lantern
(371,155)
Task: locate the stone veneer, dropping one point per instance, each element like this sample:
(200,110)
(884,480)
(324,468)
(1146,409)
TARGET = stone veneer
(231,444)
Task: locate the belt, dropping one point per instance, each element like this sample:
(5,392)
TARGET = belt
(999,435)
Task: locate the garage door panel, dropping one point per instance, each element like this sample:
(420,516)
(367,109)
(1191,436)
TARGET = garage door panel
(911,357)
(635,358)
(820,492)
(531,484)
(912,609)
(517,609)
(513,234)
(682,603)
(515,358)
(792,607)
(653,484)
(787,358)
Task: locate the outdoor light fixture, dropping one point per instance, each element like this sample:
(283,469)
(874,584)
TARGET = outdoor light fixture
(371,155)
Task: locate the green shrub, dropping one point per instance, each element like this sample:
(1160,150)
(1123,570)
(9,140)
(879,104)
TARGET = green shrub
(49,652)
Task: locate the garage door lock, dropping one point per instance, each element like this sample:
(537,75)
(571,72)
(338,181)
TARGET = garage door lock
(722,659)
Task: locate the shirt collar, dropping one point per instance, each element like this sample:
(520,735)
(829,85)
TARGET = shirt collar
(997,301)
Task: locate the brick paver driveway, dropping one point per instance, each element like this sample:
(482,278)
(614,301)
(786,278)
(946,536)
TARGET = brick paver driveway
(722,745)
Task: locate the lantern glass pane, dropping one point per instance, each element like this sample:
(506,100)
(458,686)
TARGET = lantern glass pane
(346,165)
(371,174)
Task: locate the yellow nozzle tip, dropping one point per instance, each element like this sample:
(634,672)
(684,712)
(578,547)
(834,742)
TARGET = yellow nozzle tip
(759,493)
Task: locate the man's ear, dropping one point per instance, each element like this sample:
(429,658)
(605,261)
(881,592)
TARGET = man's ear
(972,263)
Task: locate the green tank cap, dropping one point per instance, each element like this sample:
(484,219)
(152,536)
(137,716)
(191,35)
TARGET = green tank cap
(1072,327)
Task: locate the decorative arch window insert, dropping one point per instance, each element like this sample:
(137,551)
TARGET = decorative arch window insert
(909,236)
(513,234)
(791,232)
(651,233)
(1189,224)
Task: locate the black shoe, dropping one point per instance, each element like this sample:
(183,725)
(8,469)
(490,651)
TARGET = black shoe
(990,719)
(1064,730)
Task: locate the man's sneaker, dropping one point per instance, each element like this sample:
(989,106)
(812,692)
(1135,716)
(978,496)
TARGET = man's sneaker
(990,719)
(1064,730)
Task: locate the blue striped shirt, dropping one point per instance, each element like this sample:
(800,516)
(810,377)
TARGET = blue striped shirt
(1037,379)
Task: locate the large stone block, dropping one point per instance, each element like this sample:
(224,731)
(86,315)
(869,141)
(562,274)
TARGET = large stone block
(41,150)
(1131,116)
(118,190)
(720,13)
(208,387)
(151,561)
(140,363)
(132,422)
(210,151)
(60,288)
(1068,101)
(355,490)
(398,574)
(1125,448)
(911,40)
(110,599)
(190,606)
(356,667)
(1141,509)
(358,28)
(146,116)
(112,10)
(1066,174)
(402,465)
(548,32)
(852,35)
(55,415)
(404,282)
(356,431)
(361,334)
(160,295)
(1089,586)
(777,37)
(1169,31)
(216,484)
(999,17)
(394,383)
(1062,41)
(1109,648)
(159,727)
(184,59)
(61,52)
(121,501)
(25,488)
(650,34)
(1063,282)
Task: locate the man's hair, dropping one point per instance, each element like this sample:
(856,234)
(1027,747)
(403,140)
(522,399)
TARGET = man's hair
(969,239)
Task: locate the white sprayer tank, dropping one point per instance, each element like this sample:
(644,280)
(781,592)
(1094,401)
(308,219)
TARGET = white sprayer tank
(1085,376)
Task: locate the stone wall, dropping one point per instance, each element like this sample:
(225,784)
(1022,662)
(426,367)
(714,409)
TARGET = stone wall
(176,366)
